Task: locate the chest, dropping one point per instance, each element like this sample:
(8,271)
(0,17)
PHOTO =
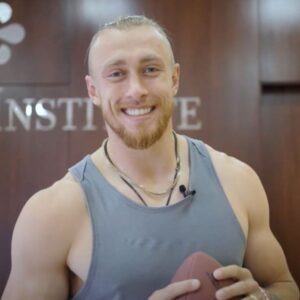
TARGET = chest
(128,248)
(79,257)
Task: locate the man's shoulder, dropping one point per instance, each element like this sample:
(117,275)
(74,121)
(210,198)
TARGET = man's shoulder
(61,204)
(229,165)
(66,192)
(43,235)
(238,178)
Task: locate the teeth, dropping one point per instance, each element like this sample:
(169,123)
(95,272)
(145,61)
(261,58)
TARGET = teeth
(137,111)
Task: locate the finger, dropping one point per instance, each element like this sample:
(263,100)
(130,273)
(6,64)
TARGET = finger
(232,271)
(175,289)
(246,287)
(250,297)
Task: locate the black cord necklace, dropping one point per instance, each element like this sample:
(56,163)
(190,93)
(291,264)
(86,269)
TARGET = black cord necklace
(134,186)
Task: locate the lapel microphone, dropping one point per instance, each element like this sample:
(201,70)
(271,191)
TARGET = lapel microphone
(183,190)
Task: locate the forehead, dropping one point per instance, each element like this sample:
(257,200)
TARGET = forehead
(129,45)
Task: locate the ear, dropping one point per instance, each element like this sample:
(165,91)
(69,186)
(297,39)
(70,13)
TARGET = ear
(175,78)
(92,90)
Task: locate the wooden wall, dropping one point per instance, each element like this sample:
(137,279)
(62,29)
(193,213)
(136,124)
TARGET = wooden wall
(239,57)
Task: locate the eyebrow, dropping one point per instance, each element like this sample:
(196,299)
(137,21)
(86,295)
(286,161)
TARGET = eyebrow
(119,62)
(113,63)
(151,58)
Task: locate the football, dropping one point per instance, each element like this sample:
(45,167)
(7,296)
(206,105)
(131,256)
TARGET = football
(201,266)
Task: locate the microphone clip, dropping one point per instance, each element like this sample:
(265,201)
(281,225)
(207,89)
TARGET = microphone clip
(183,190)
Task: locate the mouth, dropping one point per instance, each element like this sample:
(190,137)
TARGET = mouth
(136,112)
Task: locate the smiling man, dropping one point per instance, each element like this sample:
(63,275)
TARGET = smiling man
(133,82)
(122,220)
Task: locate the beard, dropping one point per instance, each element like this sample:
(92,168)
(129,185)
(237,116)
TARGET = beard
(145,136)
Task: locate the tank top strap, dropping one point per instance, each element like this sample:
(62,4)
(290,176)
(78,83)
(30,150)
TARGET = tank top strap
(78,170)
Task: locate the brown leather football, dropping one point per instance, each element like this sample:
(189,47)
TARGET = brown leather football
(201,266)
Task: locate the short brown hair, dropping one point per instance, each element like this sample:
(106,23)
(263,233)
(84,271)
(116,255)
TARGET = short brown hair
(125,23)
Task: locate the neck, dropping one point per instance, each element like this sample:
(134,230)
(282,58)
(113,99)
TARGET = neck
(149,166)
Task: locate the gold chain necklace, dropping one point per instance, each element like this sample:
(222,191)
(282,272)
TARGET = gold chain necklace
(134,186)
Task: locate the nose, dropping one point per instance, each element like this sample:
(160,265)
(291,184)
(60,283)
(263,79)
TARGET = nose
(136,89)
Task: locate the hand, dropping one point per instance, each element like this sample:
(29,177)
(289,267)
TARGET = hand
(245,286)
(176,289)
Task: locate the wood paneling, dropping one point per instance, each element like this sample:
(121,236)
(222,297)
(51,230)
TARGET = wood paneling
(45,47)
(217,45)
(280,123)
(232,108)
(279,119)
(279,41)
(29,161)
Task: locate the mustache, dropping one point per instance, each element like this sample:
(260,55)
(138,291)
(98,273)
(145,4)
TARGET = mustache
(138,103)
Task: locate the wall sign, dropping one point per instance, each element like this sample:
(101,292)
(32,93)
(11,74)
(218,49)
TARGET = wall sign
(45,114)
(10,34)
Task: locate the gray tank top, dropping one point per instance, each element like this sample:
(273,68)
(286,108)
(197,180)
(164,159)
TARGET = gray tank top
(137,249)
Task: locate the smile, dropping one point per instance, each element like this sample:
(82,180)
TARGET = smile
(137,111)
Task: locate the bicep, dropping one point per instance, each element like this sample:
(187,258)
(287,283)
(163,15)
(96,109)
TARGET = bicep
(27,285)
(265,258)
(264,255)
(38,270)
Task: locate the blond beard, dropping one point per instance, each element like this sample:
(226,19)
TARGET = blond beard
(143,138)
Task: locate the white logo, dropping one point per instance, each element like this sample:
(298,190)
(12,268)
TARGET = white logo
(10,34)
(43,114)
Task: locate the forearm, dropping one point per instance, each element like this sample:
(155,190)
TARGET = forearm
(283,291)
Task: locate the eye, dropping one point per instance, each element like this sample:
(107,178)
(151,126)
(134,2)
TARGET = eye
(151,70)
(116,74)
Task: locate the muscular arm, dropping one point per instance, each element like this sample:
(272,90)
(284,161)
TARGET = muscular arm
(264,256)
(41,240)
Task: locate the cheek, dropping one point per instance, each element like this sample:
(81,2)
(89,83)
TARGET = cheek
(114,92)
(157,85)
(164,92)
(110,105)
(109,96)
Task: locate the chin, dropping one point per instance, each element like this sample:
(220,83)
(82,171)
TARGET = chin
(141,136)
(141,139)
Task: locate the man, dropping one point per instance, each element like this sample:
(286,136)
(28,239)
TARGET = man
(122,220)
